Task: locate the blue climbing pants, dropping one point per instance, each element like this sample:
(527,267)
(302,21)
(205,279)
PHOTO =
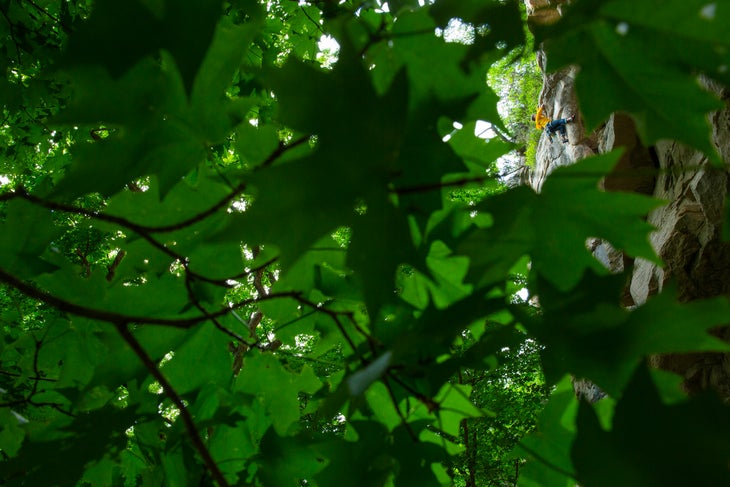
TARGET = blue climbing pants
(557,125)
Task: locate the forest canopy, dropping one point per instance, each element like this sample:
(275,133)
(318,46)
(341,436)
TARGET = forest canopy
(230,256)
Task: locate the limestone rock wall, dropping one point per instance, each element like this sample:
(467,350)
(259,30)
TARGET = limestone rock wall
(544,11)
(688,240)
(558,98)
(687,235)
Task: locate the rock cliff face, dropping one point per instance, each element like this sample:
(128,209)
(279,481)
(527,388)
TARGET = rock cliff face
(687,235)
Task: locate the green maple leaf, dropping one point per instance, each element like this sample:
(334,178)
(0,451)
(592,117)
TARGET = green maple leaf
(571,208)
(455,90)
(68,451)
(587,333)
(381,242)
(11,432)
(255,144)
(457,85)
(494,250)
(368,457)
(657,86)
(276,388)
(313,203)
(504,22)
(695,31)
(552,226)
(377,455)
(651,458)
(343,107)
(211,111)
(154,127)
(549,445)
(233,447)
(184,202)
(119,34)
(119,364)
(27,231)
(419,341)
(323,187)
(445,286)
(287,460)
(347,167)
(306,272)
(187,372)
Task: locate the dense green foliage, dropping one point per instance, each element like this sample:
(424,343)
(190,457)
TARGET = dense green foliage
(225,263)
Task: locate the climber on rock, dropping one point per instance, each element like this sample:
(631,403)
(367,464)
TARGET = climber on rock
(542,121)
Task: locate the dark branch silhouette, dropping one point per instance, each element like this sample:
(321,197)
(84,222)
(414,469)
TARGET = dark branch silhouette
(170,392)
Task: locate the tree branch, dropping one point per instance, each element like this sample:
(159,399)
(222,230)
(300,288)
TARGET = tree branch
(144,230)
(112,317)
(141,230)
(196,302)
(14,374)
(170,392)
(52,17)
(34,388)
(402,417)
(319,27)
(437,186)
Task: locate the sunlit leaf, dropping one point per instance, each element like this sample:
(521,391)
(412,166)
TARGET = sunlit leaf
(276,388)
(549,446)
(553,226)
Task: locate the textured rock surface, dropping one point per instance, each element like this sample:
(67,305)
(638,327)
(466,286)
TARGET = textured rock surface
(687,235)
(688,240)
(544,11)
(558,98)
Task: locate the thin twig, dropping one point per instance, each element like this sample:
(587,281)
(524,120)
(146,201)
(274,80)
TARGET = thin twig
(195,438)
(196,302)
(424,188)
(334,315)
(37,120)
(141,230)
(52,405)
(112,317)
(312,20)
(430,404)
(52,17)
(403,419)
(14,374)
(144,230)
(281,149)
(34,388)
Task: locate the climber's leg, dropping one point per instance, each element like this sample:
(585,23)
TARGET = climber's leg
(553,126)
(560,126)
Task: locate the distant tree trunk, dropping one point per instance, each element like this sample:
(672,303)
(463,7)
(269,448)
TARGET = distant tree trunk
(470,447)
